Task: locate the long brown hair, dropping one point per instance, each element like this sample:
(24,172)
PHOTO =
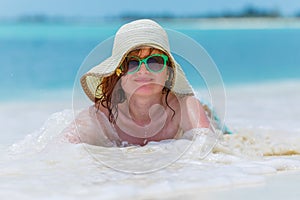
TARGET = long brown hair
(112,93)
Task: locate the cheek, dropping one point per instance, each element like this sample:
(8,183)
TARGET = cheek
(126,84)
(162,77)
(124,81)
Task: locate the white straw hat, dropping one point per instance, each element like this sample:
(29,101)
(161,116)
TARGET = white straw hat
(142,32)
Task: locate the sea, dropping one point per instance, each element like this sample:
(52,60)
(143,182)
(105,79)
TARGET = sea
(256,66)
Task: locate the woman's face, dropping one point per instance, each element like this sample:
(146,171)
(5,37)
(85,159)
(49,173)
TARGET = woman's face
(144,82)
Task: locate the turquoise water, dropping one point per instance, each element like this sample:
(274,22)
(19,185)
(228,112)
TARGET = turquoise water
(47,56)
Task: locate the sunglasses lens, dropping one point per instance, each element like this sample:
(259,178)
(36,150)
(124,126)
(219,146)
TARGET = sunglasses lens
(133,65)
(156,63)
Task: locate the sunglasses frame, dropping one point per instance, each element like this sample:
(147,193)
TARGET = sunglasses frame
(144,60)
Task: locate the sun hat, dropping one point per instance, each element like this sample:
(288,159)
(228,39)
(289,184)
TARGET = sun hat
(143,32)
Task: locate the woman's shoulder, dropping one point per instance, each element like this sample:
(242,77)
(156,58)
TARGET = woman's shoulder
(100,108)
(99,113)
(182,99)
(192,113)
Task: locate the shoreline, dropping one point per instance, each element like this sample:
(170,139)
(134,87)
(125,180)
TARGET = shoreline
(66,93)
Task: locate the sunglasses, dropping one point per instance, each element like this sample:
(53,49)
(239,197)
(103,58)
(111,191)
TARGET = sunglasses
(154,63)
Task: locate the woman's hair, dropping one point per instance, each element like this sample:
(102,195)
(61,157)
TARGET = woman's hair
(112,93)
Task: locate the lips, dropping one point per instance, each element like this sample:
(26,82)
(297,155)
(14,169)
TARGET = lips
(143,80)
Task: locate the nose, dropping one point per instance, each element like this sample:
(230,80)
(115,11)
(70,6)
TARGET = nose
(143,69)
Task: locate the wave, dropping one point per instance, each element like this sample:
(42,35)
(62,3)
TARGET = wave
(240,159)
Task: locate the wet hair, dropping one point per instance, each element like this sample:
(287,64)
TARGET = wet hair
(112,93)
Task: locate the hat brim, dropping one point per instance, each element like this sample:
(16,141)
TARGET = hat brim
(92,79)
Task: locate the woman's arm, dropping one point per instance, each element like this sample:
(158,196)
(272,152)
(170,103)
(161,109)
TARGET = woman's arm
(192,114)
(87,128)
(81,129)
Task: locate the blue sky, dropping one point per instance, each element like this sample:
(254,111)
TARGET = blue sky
(99,8)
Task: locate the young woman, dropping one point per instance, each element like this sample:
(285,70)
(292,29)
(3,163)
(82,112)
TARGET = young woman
(140,93)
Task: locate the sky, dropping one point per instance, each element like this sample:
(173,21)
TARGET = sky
(107,8)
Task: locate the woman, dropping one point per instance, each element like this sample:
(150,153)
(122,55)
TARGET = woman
(140,93)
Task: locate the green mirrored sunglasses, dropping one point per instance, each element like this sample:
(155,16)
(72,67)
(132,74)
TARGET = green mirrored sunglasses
(154,63)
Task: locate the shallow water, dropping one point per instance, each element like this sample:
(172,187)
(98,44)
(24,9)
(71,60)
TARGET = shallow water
(43,165)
